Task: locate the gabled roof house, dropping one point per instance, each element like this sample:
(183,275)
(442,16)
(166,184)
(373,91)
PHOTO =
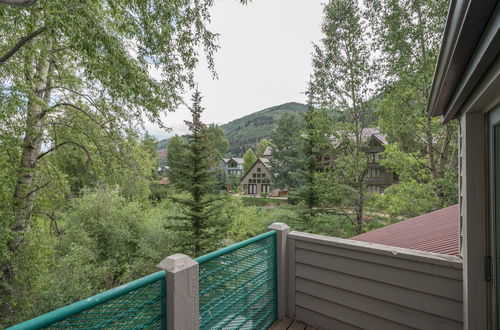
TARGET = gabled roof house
(258,179)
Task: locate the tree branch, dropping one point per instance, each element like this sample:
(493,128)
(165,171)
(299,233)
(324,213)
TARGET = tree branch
(62,144)
(38,188)
(20,43)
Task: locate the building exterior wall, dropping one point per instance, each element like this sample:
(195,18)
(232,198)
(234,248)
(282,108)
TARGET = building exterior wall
(335,283)
(473,219)
(233,168)
(258,180)
(378,178)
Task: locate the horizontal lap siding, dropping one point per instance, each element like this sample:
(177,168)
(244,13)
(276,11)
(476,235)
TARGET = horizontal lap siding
(338,287)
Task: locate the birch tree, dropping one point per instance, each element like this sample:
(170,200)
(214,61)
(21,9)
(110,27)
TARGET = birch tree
(342,82)
(408,38)
(92,58)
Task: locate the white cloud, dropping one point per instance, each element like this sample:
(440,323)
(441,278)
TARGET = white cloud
(264,60)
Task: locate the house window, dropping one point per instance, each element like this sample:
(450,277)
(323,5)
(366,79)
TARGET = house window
(258,180)
(265,188)
(374,172)
(252,189)
(374,189)
(263,175)
(374,157)
(258,175)
(254,175)
(258,169)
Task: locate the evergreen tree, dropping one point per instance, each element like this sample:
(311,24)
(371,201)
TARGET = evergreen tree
(249,158)
(316,152)
(193,172)
(285,162)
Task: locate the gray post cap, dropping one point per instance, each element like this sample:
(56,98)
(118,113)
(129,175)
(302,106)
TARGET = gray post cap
(278,226)
(176,263)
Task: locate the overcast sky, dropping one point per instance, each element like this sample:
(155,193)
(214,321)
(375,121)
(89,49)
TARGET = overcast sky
(264,59)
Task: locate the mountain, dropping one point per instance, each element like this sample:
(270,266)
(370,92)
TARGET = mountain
(247,131)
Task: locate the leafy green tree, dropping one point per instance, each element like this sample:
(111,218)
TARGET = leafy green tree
(63,57)
(195,174)
(343,74)
(219,143)
(249,158)
(262,146)
(407,36)
(285,162)
(177,154)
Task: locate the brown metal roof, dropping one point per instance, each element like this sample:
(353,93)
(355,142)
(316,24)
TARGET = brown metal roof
(436,232)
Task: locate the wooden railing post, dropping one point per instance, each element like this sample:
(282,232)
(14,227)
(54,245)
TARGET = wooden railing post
(282,231)
(182,292)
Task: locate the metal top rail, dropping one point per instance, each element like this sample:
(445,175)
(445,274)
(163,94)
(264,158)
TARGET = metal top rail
(85,304)
(218,253)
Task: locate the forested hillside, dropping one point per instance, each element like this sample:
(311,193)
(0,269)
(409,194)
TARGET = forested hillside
(247,131)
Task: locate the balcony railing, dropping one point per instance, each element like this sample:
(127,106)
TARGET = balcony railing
(237,290)
(325,282)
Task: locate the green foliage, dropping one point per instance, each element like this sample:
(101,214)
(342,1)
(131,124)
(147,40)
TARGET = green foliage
(192,170)
(407,199)
(315,147)
(342,80)
(177,154)
(218,143)
(286,153)
(262,146)
(406,70)
(245,132)
(249,158)
(103,240)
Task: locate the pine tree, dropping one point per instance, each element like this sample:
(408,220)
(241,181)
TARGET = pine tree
(285,162)
(316,148)
(194,174)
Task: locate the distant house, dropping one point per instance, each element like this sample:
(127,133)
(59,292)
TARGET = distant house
(267,153)
(258,179)
(378,177)
(232,166)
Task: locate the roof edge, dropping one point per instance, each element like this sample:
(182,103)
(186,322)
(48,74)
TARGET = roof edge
(464,27)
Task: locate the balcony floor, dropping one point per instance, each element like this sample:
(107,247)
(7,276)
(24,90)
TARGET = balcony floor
(289,324)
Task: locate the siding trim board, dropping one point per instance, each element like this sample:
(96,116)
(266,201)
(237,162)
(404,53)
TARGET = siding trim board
(402,253)
(345,284)
(403,264)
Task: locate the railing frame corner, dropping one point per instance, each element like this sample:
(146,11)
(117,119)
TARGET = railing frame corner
(282,231)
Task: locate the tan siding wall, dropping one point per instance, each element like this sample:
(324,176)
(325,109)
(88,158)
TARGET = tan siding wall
(343,284)
(245,181)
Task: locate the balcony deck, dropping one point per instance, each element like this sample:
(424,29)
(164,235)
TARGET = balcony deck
(289,324)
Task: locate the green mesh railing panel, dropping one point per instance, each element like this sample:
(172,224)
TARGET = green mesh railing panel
(140,304)
(138,309)
(238,286)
